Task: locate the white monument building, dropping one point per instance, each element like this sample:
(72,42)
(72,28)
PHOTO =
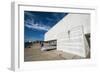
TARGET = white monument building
(70,34)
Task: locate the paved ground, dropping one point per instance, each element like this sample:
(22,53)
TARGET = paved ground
(35,54)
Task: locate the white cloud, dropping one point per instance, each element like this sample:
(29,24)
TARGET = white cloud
(30,24)
(37,26)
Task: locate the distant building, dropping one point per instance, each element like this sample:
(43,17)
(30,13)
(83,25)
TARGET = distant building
(49,45)
(70,34)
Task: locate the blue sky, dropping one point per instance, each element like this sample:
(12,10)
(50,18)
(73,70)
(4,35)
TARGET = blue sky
(36,24)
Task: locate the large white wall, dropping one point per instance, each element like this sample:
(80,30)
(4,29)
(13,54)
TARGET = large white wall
(78,24)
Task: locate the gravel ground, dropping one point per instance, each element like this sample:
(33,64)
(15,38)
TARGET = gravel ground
(35,54)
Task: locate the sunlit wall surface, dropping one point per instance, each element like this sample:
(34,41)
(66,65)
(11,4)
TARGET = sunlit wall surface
(69,33)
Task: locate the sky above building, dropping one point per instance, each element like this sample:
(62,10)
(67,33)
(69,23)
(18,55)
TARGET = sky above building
(36,24)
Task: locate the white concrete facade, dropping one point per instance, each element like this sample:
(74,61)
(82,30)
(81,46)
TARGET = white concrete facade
(69,33)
